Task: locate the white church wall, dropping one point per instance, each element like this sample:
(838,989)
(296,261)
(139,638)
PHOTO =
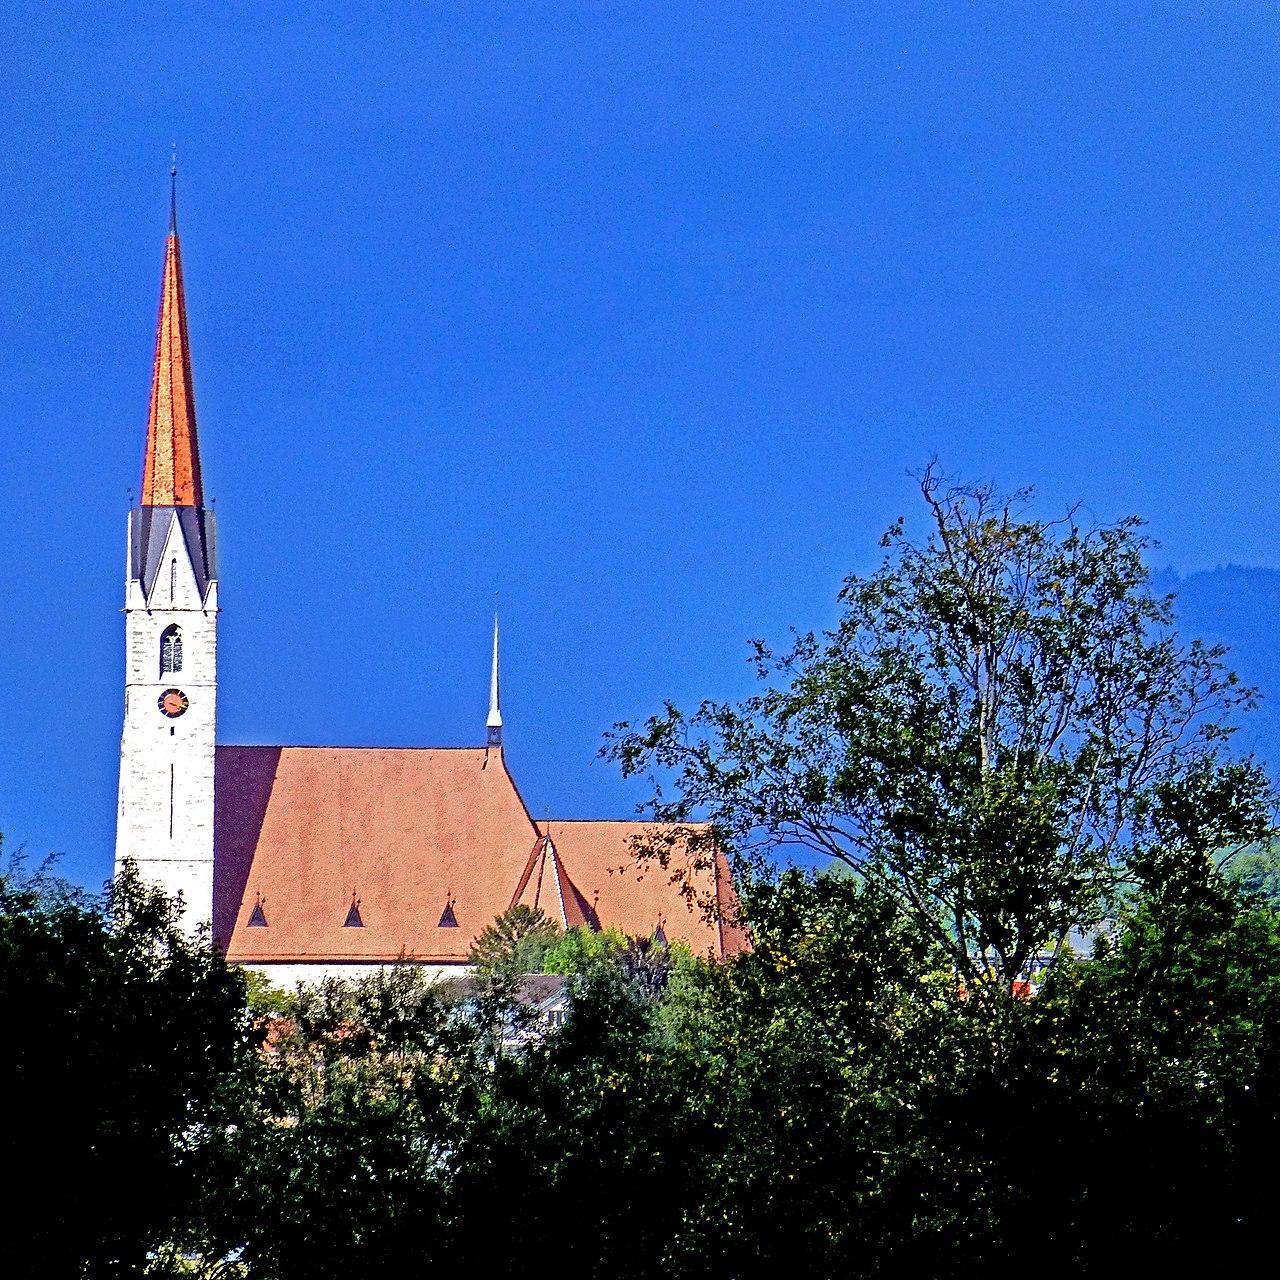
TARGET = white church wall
(288,976)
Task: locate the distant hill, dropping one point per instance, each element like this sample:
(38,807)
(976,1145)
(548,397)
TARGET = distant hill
(1238,607)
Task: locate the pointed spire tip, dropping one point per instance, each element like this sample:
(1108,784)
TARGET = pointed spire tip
(494,723)
(173,191)
(171,471)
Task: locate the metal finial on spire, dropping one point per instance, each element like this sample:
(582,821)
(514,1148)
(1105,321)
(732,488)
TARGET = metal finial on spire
(493,725)
(173,191)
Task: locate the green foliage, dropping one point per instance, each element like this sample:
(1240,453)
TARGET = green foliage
(123,1040)
(812,1050)
(514,943)
(979,734)
(1165,1047)
(1256,869)
(581,951)
(261,995)
(836,1101)
(643,964)
(581,1150)
(335,1166)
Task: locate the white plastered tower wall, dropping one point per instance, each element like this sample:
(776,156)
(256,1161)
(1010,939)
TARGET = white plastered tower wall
(165,818)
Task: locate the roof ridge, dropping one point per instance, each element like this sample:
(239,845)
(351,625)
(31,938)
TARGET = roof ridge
(515,786)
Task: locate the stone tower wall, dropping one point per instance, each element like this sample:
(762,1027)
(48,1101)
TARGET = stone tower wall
(165,819)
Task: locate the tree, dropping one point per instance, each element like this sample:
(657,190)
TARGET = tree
(582,950)
(584,1147)
(1256,868)
(122,1036)
(819,1053)
(983,733)
(337,1165)
(646,965)
(1141,1085)
(514,943)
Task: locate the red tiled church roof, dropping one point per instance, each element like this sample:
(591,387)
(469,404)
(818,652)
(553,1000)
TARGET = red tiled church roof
(545,884)
(409,834)
(597,858)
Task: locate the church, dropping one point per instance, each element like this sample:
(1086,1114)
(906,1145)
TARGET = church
(307,861)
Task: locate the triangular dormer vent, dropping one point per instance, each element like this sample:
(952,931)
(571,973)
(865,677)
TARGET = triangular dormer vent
(353,920)
(257,917)
(447,919)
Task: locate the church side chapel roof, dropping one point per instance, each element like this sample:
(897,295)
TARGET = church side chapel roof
(546,885)
(637,898)
(408,832)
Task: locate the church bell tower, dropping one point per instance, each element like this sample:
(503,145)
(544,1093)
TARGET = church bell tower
(165,819)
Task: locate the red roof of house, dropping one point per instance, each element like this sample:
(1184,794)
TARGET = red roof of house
(302,831)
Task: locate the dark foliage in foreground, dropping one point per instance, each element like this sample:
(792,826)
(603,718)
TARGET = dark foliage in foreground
(123,1042)
(834,1103)
(911,1073)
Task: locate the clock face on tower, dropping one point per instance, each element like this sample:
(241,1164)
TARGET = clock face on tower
(172,703)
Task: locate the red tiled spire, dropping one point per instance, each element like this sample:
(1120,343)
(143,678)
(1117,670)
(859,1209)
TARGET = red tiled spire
(171,473)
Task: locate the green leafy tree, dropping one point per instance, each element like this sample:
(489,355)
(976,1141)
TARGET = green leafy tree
(515,943)
(823,1055)
(580,951)
(123,1038)
(338,1162)
(263,997)
(585,1147)
(1141,1085)
(646,964)
(1256,869)
(979,734)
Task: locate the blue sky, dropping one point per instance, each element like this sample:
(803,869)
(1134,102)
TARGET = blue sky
(639,315)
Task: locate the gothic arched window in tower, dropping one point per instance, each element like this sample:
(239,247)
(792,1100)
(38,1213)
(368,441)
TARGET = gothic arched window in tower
(170,650)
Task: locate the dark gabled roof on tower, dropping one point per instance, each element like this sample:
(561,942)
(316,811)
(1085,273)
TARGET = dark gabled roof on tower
(171,471)
(149,530)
